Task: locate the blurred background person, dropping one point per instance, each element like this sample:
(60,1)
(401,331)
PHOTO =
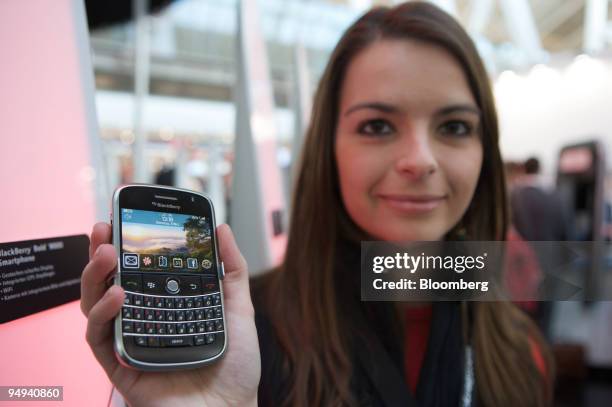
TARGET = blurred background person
(539,214)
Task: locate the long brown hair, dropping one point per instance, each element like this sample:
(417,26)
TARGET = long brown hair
(303,301)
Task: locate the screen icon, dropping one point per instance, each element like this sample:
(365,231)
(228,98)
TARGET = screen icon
(177,262)
(162,261)
(206,264)
(192,263)
(130,260)
(147,260)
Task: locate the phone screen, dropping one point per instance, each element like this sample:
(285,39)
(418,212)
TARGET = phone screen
(166,242)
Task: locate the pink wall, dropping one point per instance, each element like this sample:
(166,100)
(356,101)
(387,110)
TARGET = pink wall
(47,190)
(44,151)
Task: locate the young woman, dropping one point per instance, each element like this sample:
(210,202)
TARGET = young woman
(403,145)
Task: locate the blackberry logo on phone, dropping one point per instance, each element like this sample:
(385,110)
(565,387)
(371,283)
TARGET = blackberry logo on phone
(173,316)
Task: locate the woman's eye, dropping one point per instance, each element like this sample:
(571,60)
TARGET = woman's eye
(456,128)
(376,127)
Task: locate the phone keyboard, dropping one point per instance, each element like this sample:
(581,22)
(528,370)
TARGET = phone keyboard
(155,320)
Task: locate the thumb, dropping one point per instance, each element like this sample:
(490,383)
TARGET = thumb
(236,283)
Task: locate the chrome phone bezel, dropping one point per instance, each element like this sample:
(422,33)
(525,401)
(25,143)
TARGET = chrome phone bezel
(122,355)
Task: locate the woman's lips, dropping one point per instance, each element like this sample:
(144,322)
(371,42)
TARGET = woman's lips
(412,203)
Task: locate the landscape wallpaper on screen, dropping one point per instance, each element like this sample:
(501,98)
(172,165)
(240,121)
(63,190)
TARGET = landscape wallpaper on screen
(154,236)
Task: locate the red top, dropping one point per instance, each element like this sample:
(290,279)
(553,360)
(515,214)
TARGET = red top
(418,323)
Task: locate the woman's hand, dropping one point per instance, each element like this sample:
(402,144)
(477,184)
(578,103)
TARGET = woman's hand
(232,380)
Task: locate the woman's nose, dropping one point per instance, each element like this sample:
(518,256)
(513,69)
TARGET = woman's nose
(415,155)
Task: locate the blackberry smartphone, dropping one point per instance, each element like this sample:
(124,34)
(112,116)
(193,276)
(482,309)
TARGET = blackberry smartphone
(173,315)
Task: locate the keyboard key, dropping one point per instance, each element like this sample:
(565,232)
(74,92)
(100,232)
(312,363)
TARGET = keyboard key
(179,303)
(149,302)
(209,313)
(169,315)
(169,302)
(189,302)
(154,284)
(210,338)
(191,328)
(181,329)
(128,299)
(160,329)
(153,341)
(191,285)
(127,327)
(189,315)
(218,312)
(149,315)
(138,327)
(137,300)
(140,340)
(199,340)
(177,341)
(210,284)
(137,313)
(131,282)
(199,302)
(218,325)
(210,326)
(170,329)
(207,300)
(149,328)
(199,314)
(201,327)
(160,315)
(127,312)
(159,302)
(179,315)
(216,299)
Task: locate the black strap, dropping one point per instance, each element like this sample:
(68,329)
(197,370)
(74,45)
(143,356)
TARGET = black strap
(383,373)
(442,374)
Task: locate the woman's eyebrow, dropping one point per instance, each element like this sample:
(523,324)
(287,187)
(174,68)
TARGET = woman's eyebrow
(388,108)
(458,109)
(383,107)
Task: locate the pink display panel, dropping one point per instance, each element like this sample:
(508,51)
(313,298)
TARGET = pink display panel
(47,182)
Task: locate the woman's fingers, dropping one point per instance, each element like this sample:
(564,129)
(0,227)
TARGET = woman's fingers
(236,282)
(100,327)
(98,270)
(101,233)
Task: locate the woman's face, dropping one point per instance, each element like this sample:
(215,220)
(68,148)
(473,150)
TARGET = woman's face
(407,147)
